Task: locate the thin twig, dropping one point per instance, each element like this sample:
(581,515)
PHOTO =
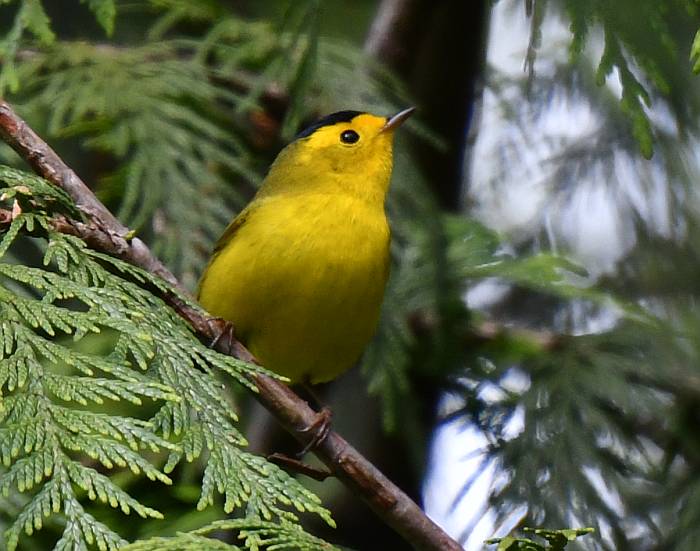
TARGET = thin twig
(105,233)
(293,464)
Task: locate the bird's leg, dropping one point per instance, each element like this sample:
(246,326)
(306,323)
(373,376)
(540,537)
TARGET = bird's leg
(225,339)
(316,401)
(223,333)
(321,425)
(319,429)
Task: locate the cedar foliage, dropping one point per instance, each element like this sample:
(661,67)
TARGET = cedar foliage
(106,394)
(607,438)
(58,443)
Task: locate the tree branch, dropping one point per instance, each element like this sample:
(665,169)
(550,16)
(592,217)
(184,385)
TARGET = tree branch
(47,164)
(104,232)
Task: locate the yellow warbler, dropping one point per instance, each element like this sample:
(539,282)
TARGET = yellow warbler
(301,271)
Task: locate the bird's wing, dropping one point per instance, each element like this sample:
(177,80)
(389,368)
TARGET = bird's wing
(231,230)
(225,238)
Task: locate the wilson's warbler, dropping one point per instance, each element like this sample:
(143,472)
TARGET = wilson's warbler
(301,271)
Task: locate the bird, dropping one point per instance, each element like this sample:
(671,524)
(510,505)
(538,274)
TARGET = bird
(301,271)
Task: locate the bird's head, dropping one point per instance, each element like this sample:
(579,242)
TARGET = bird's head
(347,151)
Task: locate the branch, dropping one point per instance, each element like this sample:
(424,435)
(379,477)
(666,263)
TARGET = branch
(105,233)
(396,30)
(47,164)
(487,332)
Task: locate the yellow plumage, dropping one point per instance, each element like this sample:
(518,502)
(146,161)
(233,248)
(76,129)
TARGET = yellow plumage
(301,271)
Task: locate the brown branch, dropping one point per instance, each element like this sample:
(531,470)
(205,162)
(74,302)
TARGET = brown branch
(298,466)
(487,332)
(490,331)
(47,164)
(104,232)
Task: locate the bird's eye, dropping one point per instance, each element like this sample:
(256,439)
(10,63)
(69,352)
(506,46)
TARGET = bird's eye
(349,136)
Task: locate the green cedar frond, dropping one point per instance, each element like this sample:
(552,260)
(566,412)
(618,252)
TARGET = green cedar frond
(105,12)
(588,425)
(23,186)
(82,529)
(176,129)
(57,426)
(448,255)
(31,18)
(695,53)
(175,11)
(646,62)
(257,535)
(557,540)
(634,96)
(164,128)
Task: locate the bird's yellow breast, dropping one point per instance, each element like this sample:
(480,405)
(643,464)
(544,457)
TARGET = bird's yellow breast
(302,280)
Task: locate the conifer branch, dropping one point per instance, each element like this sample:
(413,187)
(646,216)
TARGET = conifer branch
(47,164)
(103,232)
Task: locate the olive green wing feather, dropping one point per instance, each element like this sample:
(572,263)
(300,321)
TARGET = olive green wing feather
(229,233)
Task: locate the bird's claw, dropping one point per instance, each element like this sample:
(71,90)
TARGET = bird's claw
(224,339)
(319,430)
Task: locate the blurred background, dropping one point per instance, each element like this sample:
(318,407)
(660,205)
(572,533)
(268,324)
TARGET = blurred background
(538,358)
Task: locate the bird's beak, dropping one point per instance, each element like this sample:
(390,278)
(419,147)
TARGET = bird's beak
(394,122)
